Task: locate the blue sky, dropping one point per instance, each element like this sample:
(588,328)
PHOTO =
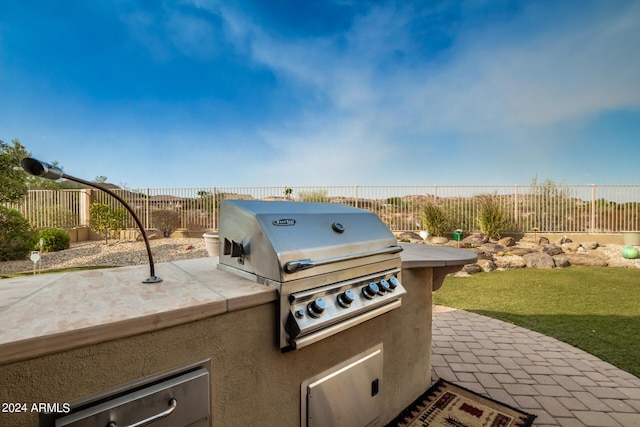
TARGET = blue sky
(199,93)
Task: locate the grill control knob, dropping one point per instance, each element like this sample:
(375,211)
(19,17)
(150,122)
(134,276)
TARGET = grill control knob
(316,307)
(346,298)
(385,286)
(393,283)
(370,291)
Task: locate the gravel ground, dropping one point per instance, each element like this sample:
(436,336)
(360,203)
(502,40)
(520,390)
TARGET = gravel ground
(114,253)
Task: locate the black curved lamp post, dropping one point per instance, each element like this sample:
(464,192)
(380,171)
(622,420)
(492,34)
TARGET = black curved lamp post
(45,170)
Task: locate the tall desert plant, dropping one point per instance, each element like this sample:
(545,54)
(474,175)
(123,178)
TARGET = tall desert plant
(492,218)
(435,220)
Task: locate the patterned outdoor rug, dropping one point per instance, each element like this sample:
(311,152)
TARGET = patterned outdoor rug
(449,405)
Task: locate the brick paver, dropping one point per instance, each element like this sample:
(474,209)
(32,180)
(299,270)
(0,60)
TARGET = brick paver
(562,385)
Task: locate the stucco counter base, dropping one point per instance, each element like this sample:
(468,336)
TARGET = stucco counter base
(64,337)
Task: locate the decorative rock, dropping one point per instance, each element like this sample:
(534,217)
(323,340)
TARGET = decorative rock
(552,250)
(507,242)
(538,260)
(493,248)
(543,241)
(570,247)
(586,259)
(188,247)
(487,265)
(520,251)
(563,240)
(424,234)
(438,240)
(482,254)
(506,262)
(475,239)
(561,261)
(409,235)
(590,245)
(151,235)
(472,268)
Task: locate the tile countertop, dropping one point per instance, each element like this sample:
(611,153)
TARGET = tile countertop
(48,313)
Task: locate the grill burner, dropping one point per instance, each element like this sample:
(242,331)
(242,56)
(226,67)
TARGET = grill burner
(333,265)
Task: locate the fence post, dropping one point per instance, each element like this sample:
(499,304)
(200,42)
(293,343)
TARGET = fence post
(85,206)
(516,210)
(215,207)
(146,209)
(593,208)
(357,196)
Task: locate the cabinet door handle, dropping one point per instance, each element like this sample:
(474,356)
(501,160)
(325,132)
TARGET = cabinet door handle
(173,404)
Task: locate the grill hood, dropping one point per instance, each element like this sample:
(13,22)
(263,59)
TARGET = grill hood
(284,241)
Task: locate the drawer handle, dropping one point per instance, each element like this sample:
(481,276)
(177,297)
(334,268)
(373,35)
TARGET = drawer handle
(173,404)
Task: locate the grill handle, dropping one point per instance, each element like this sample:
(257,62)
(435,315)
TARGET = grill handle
(304,264)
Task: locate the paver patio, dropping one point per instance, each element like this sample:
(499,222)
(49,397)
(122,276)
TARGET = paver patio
(562,385)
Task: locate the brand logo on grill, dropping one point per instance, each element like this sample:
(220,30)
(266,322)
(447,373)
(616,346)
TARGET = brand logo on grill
(284,221)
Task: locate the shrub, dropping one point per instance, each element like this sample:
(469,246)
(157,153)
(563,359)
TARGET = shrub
(165,220)
(314,196)
(17,237)
(105,220)
(435,220)
(54,239)
(492,218)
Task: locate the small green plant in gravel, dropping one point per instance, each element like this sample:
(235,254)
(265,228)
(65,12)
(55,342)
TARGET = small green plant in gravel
(105,220)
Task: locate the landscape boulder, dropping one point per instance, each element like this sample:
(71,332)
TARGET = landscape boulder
(510,261)
(507,242)
(519,251)
(538,260)
(487,265)
(586,259)
(571,247)
(561,261)
(472,268)
(475,239)
(552,250)
(492,248)
(409,236)
(589,246)
(438,240)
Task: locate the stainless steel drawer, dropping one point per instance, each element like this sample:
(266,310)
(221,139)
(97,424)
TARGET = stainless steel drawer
(180,401)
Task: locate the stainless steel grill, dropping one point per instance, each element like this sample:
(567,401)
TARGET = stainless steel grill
(333,265)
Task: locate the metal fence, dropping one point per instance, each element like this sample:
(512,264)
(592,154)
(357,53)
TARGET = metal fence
(546,208)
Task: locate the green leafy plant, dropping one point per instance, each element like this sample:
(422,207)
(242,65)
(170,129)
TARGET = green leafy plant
(435,219)
(492,218)
(53,239)
(165,220)
(17,237)
(106,220)
(12,179)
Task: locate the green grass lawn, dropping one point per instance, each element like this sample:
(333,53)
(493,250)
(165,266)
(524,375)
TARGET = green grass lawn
(593,308)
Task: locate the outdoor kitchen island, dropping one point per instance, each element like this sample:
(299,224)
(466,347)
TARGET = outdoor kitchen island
(76,340)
